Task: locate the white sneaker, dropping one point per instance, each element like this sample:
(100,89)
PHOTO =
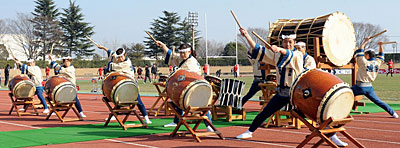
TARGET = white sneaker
(21,109)
(209,129)
(395,115)
(338,142)
(112,118)
(245,135)
(53,114)
(82,115)
(172,124)
(147,120)
(46,111)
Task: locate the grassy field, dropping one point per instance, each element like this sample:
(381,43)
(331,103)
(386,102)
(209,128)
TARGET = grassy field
(385,87)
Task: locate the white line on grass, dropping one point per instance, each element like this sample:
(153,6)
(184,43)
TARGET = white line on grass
(20,125)
(130,143)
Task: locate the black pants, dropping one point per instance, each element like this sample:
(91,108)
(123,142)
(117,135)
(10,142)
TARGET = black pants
(6,80)
(145,78)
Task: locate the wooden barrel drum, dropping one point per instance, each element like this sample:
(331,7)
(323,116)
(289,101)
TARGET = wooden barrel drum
(120,88)
(22,87)
(335,30)
(60,89)
(320,95)
(188,89)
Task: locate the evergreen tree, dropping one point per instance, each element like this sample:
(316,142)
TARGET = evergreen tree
(230,50)
(46,25)
(75,31)
(166,30)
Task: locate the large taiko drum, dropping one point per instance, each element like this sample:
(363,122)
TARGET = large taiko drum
(231,93)
(188,89)
(120,88)
(60,89)
(335,30)
(320,95)
(22,87)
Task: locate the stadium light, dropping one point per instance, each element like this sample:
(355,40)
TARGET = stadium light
(194,22)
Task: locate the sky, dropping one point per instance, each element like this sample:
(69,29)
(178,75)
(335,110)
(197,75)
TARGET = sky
(125,21)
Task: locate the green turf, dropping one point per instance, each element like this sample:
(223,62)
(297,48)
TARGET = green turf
(58,135)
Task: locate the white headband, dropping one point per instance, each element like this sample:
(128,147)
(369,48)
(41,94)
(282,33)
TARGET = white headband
(292,36)
(369,49)
(300,44)
(67,58)
(120,55)
(184,50)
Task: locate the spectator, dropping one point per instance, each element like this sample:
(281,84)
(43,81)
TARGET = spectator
(104,70)
(390,68)
(139,72)
(147,73)
(6,74)
(218,73)
(154,71)
(100,72)
(47,72)
(170,68)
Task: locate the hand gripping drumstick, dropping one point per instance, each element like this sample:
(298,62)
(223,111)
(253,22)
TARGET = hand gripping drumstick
(92,41)
(262,40)
(378,34)
(237,21)
(151,36)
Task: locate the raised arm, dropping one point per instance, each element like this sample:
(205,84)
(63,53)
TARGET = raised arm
(246,35)
(102,47)
(366,40)
(380,47)
(17,62)
(162,45)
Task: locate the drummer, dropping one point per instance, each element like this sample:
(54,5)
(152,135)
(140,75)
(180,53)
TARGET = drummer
(186,59)
(366,74)
(35,74)
(288,65)
(119,61)
(67,70)
(309,62)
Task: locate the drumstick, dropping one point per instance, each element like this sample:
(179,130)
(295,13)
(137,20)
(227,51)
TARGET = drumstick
(12,54)
(92,41)
(392,42)
(378,34)
(237,21)
(262,40)
(51,49)
(151,36)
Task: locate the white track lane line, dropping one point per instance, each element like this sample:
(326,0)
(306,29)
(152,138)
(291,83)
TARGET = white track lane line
(130,143)
(364,139)
(265,143)
(372,121)
(20,125)
(372,129)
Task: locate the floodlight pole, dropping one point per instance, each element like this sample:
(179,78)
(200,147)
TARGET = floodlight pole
(193,21)
(205,21)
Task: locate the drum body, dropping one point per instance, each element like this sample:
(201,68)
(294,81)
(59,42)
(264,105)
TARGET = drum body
(188,89)
(335,30)
(120,88)
(60,89)
(22,87)
(215,80)
(320,95)
(231,93)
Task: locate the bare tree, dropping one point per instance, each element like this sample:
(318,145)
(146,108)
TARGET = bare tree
(22,28)
(3,28)
(364,30)
(215,48)
(260,31)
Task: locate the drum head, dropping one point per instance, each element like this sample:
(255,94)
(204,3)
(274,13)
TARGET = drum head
(126,93)
(24,89)
(339,39)
(198,95)
(339,105)
(65,94)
